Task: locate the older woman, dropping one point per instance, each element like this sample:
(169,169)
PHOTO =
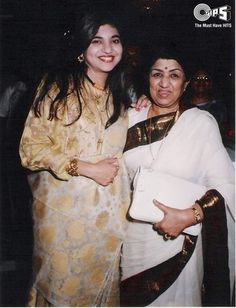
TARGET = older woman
(162,264)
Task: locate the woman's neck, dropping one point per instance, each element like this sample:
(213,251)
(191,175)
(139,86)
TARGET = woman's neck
(97,79)
(155,110)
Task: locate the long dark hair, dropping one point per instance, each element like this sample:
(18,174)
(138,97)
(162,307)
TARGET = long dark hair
(67,71)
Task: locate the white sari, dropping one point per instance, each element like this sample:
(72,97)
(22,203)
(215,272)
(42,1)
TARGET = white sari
(193,150)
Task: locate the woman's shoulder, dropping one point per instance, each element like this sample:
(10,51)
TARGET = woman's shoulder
(200,121)
(197,115)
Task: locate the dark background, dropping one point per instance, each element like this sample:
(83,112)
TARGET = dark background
(30,33)
(30,29)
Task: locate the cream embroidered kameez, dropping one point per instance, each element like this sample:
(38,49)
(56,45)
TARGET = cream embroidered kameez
(78,224)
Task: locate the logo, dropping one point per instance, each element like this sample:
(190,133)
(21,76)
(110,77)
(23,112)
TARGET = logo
(203,12)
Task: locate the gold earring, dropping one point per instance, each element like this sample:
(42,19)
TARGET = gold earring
(81,58)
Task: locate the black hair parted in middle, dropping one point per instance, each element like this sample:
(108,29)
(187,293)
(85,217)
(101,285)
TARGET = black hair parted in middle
(67,73)
(87,25)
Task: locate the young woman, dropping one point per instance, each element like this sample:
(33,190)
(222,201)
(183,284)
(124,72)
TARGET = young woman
(73,142)
(162,264)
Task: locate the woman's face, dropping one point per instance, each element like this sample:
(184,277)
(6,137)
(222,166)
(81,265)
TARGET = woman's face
(167,83)
(104,52)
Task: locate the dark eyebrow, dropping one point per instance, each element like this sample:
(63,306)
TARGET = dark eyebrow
(159,70)
(100,37)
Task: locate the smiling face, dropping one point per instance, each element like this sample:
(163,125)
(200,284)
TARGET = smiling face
(166,84)
(104,53)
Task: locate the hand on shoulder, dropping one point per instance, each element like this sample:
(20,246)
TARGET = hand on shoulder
(142,102)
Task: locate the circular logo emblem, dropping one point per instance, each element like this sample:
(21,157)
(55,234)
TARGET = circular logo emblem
(201,12)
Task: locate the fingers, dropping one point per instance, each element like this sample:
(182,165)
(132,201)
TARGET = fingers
(162,227)
(115,163)
(140,102)
(106,171)
(112,160)
(156,226)
(166,235)
(111,163)
(143,101)
(115,168)
(161,206)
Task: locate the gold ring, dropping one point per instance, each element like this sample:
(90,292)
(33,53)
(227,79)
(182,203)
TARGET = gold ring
(167,237)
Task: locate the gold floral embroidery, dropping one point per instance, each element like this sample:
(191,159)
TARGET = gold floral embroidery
(70,285)
(75,230)
(78,224)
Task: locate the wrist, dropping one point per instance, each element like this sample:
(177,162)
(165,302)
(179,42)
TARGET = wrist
(187,218)
(197,213)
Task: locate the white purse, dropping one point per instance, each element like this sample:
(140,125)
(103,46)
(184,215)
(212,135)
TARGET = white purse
(172,191)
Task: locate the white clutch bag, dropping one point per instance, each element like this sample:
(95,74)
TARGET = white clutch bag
(170,190)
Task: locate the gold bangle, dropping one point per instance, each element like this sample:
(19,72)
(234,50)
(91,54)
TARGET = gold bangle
(211,198)
(197,215)
(72,168)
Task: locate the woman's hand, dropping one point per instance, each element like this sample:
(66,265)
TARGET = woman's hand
(143,101)
(174,221)
(104,171)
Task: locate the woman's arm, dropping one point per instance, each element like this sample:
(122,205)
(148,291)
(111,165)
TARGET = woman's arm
(103,172)
(176,220)
(43,147)
(218,173)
